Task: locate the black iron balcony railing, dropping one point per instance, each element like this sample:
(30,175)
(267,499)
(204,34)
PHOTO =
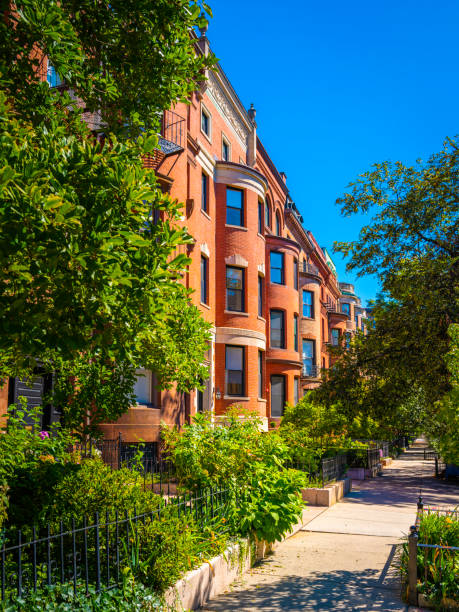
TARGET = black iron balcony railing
(308,268)
(310,371)
(331,306)
(173,132)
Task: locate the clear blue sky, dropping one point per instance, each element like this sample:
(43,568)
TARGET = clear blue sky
(338,86)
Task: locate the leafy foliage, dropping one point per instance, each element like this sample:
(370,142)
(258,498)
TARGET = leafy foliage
(238,454)
(89,283)
(24,447)
(397,372)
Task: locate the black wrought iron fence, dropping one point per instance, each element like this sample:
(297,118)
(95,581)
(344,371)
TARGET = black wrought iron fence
(94,552)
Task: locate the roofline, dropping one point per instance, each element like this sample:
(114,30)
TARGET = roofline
(272,167)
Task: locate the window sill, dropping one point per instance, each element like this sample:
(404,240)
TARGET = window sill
(149,406)
(261,319)
(277,348)
(278,284)
(205,214)
(262,399)
(209,138)
(236,398)
(205,305)
(239,227)
(308,318)
(236,313)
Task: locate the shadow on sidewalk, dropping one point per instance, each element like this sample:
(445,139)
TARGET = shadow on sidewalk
(331,590)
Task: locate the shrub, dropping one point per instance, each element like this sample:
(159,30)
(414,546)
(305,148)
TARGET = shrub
(271,504)
(23,448)
(207,455)
(437,569)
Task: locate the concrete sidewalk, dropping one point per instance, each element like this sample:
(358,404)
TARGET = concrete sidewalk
(343,559)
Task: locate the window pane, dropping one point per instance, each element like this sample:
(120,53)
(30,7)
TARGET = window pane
(260,218)
(234,357)
(277,267)
(234,289)
(308,304)
(335,337)
(346,308)
(277,328)
(277,395)
(295,333)
(234,198)
(205,120)
(296,390)
(295,273)
(267,220)
(278,225)
(260,374)
(204,280)
(204,192)
(260,296)
(234,206)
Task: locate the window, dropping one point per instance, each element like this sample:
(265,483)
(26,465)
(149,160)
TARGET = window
(260,217)
(200,401)
(356,318)
(204,192)
(277,395)
(267,215)
(335,337)
(295,332)
(362,324)
(347,340)
(296,390)
(234,370)
(277,329)
(309,350)
(260,296)
(226,149)
(145,387)
(276,263)
(295,273)
(205,122)
(234,206)
(204,279)
(278,225)
(53,79)
(346,308)
(234,289)
(308,304)
(260,374)
(323,329)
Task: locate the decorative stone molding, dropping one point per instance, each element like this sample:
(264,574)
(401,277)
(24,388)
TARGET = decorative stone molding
(206,161)
(241,337)
(227,108)
(236,260)
(205,249)
(241,176)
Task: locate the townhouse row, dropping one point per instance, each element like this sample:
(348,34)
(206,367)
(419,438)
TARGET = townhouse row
(268,289)
(259,277)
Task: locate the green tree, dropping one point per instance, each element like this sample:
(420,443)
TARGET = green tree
(89,283)
(412,245)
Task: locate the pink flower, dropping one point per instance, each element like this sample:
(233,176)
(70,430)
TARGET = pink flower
(43,435)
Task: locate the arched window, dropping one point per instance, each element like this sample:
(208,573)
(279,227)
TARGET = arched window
(267,215)
(278,225)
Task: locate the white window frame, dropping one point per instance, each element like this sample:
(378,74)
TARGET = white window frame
(206,111)
(226,141)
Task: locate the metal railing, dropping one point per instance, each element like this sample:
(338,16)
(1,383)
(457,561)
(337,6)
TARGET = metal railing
(428,564)
(308,268)
(310,371)
(173,131)
(92,553)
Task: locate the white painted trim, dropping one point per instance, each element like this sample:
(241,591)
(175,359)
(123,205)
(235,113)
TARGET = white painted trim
(205,160)
(240,337)
(242,177)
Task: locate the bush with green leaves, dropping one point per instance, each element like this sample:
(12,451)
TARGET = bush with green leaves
(25,448)
(235,453)
(437,568)
(133,596)
(210,454)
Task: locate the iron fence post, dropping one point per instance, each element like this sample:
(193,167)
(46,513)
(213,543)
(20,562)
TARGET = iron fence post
(119,449)
(413,566)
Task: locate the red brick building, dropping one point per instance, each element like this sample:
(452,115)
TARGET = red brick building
(270,292)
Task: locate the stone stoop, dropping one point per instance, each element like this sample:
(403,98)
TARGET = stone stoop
(329,495)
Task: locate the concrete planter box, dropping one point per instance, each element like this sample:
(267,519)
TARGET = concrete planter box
(198,586)
(329,495)
(361,473)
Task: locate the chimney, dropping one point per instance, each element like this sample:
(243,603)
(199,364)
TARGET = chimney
(284,176)
(252,138)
